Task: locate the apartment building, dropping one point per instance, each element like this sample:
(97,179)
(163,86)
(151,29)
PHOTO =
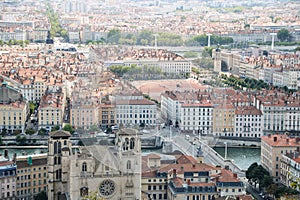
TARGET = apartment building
(290,170)
(136,111)
(51,110)
(171,66)
(223,120)
(288,78)
(13,108)
(273,147)
(196,117)
(84,113)
(186,178)
(28,90)
(170,102)
(8,177)
(32,175)
(39,88)
(266,73)
(107,114)
(248,122)
(280,112)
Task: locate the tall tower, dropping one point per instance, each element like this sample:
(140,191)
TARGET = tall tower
(130,144)
(273,40)
(49,42)
(208,39)
(59,152)
(216,54)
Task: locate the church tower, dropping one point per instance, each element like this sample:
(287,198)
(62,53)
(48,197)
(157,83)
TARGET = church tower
(216,54)
(49,43)
(59,152)
(129,143)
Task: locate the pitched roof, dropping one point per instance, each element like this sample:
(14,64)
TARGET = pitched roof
(60,133)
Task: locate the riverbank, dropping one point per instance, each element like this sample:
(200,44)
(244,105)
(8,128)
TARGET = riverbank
(23,147)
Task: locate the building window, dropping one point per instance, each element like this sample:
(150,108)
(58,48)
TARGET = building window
(83,167)
(128,166)
(132,143)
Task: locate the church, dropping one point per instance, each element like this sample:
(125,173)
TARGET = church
(110,171)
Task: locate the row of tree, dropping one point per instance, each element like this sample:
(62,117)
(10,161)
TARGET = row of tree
(146,37)
(240,83)
(11,42)
(56,28)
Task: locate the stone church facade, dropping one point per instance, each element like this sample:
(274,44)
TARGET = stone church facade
(106,171)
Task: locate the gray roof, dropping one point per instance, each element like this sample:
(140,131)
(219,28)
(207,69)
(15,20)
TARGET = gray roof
(9,94)
(60,133)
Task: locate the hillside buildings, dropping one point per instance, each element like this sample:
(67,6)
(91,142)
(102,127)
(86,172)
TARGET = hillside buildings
(184,177)
(272,67)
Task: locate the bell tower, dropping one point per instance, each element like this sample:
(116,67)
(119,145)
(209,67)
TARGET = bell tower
(129,143)
(49,43)
(59,152)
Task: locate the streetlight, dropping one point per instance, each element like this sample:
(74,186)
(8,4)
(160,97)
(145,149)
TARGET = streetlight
(225,157)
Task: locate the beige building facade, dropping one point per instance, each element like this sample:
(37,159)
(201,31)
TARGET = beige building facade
(32,175)
(272,149)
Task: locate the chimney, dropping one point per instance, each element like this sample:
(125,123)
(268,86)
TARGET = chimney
(6,153)
(15,158)
(275,139)
(287,140)
(189,181)
(269,135)
(194,165)
(297,140)
(174,173)
(234,175)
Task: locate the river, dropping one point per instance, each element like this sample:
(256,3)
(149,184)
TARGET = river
(242,156)
(23,151)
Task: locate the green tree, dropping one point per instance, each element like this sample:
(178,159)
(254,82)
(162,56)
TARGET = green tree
(297,49)
(249,172)
(94,128)
(114,36)
(145,37)
(29,131)
(21,140)
(69,128)
(266,181)
(283,35)
(42,131)
(32,107)
(55,128)
(190,54)
(41,196)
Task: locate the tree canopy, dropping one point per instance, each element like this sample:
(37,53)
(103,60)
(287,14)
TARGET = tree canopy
(114,36)
(284,35)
